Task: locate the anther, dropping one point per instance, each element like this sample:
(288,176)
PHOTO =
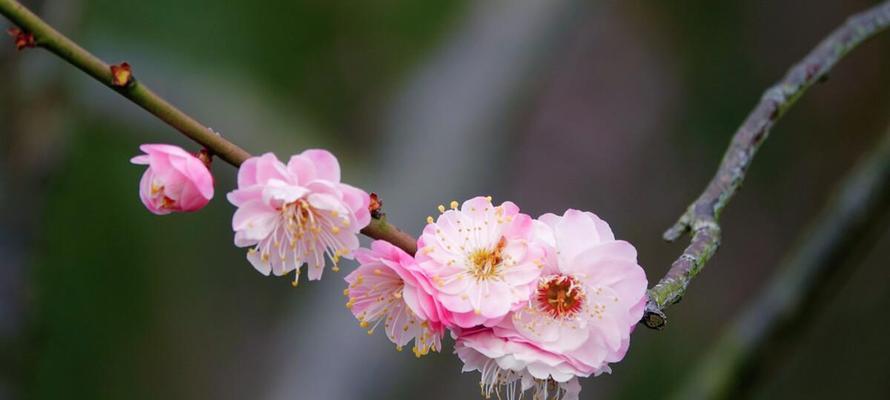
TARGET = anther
(296,280)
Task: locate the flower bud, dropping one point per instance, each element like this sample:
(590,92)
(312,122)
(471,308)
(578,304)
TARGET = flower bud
(175,181)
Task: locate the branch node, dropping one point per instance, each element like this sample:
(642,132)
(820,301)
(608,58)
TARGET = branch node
(706,223)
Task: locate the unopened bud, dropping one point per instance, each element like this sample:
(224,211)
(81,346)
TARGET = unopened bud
(22,39)
(375,206)
(121,75)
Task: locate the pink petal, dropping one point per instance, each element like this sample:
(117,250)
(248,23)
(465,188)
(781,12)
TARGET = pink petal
(326,165)
(357,201)
(140,160)
(255,219)
(263,267)
(240,196)
(259,170)
(302,168)
(574,233)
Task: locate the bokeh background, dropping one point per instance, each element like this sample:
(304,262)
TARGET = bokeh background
(619,107)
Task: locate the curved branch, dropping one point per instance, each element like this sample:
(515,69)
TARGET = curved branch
(788,298)
(49,38)
(701,218)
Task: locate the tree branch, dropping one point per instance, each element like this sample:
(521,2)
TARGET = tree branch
(832,238)
(48,38)
(701,218)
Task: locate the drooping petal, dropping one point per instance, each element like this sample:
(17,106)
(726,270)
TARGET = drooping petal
(263,267)
(256,219)
(378,295)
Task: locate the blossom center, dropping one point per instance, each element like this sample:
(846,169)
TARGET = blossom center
(561,296)
(160,196)
(299,217)
(486,264)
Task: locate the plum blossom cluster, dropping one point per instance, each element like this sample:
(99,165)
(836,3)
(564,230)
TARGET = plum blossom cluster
(288,215)
(532,304)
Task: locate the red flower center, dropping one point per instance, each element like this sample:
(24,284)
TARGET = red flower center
(561,296)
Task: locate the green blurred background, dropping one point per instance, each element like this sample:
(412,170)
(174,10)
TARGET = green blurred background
(621,108)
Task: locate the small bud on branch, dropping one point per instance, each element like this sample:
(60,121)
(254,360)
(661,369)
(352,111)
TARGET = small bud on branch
(121,75)
(205,156)
(22,39)
(375,206)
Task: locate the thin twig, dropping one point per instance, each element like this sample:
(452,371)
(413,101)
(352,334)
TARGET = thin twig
(831,239)
(47,37)
(701,218)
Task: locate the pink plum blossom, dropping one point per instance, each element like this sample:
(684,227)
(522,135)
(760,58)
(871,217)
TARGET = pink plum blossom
(588,298)
(389,288)
(481,261)
(296,213)
(510,367)
(175,181)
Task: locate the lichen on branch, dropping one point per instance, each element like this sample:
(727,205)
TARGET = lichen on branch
(702,216)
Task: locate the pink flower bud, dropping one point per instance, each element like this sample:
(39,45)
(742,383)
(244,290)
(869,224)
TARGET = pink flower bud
(175,180)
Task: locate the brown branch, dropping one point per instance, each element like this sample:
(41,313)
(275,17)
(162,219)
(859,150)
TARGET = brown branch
(48,38)
(831,240)
(382,230)
(701,218)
